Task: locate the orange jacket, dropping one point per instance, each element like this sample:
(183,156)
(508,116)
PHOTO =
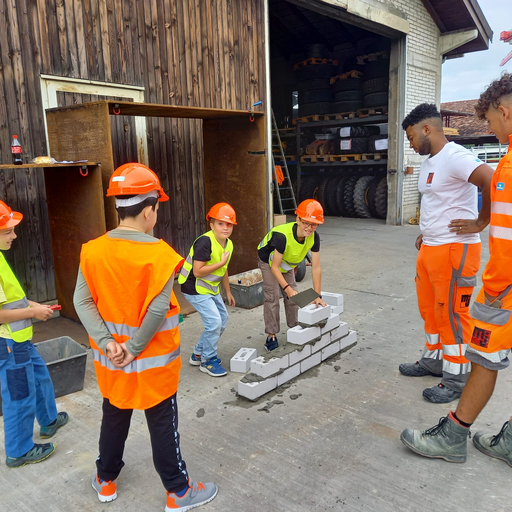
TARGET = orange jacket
(498,271)
(124,277)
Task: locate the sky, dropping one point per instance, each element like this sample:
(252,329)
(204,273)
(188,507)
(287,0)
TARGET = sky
(467,77)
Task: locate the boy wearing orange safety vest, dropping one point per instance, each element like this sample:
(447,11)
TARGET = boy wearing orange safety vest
(125,300)
(27,389)
(491,320)
(282,249)
(205,268)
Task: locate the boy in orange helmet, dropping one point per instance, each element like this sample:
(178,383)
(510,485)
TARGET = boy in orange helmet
(125,300)
(282,249)
(27,389)
(205,268)
(491,324)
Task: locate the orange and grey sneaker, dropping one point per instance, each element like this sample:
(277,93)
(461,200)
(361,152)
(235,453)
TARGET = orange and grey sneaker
(196,495)
(107,491)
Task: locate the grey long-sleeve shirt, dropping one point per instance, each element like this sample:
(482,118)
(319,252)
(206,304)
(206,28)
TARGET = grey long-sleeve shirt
(91,318)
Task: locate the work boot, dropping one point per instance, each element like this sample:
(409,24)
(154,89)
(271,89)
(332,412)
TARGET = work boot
(51,429)
(440,394)
(38,453)
(107,490)
(447,440)
(498,446)
(196,495)
(415,370)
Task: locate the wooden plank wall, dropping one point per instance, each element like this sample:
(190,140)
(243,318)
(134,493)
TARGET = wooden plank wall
(205,53)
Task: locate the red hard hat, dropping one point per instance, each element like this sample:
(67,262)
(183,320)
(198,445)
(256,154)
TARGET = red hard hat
(223,212)
(135,179)
(311,211)
(8,218)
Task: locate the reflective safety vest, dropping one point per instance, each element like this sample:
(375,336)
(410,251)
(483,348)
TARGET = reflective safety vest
(294,252)
(20,330)
(123,277)
(208,284)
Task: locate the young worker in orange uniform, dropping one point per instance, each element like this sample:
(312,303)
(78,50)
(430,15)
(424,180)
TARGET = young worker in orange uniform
(491,322)
(125,300)
(282,249)
(449,255)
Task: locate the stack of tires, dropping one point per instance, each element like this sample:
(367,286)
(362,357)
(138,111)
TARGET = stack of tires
(356,139)
(313,83)
(348,195)
(348,95)
(376,83)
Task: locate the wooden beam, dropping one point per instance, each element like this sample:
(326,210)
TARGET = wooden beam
(433,14)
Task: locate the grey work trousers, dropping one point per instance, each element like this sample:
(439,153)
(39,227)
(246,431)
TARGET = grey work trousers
(271,305)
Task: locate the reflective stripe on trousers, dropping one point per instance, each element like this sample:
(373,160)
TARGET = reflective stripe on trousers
(126,330)
(18,325)
(137,365)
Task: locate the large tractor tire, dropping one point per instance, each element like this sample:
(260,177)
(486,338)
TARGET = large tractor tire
(309,188)
(376,99)
(381,199)
(361,197)
(322,194)
(331,195)
(348,196)
(340,196)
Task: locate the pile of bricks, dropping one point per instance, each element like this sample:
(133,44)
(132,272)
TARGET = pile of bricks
(320,335)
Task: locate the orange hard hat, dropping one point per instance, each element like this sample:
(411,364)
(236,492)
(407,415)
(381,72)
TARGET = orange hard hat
(135,179)
(8,218)
(223,212)
(311,211)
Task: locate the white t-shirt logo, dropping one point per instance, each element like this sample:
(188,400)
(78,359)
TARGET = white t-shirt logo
(430,179)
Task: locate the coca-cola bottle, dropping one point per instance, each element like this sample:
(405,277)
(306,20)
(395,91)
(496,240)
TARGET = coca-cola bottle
(17,153)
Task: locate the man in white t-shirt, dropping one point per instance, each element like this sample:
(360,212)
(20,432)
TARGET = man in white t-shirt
(449,250)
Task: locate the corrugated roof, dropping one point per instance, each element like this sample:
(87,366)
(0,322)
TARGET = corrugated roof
(467,125)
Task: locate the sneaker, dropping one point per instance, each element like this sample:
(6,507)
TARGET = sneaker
(38,453)
(498,446)
(212,367)
(415,370)
(195,360)
(447,440)
(51,429)
(107,491)
(198,494)
(271,344)
(440,394)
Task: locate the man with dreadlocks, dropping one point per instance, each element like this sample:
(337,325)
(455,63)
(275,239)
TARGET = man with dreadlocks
(449,250)
(491,321)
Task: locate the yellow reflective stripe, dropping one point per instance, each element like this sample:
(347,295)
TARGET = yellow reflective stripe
(127,330)
(500,232)
(137,365)
(501,208)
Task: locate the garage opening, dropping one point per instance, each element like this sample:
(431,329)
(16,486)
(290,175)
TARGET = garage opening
(330,91)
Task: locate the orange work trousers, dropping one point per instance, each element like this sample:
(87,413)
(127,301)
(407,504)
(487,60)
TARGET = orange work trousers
(445,278)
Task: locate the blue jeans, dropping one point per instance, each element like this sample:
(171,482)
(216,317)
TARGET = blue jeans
(27,393)
(214,315)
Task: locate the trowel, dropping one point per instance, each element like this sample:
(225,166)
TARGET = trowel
(304,298)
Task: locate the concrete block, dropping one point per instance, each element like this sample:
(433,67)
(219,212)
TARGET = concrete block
(285,362)
(241,361)
(330,350)
(299,336)
(340,331)
(332,299)
(332,322)
(253,390)
(319,345)
(300,354)
(289,374)
(348,340)
(337,310)
(311,314)
(265,368)
(310,362)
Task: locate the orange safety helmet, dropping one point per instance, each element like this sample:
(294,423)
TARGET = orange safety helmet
(8,218)
(135,179)
(311,211)
(223,212)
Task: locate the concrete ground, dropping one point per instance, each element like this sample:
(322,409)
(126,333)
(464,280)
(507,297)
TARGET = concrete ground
(330,441)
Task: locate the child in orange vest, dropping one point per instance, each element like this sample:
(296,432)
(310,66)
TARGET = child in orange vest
(125,300)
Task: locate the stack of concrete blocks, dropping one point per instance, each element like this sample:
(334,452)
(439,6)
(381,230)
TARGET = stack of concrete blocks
(320,335)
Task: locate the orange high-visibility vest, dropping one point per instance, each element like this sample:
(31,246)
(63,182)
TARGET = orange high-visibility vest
(123,277)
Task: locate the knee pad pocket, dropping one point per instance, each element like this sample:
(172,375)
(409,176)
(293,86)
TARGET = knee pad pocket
(17,384)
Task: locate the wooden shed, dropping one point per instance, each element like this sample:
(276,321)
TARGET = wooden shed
(57,53)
